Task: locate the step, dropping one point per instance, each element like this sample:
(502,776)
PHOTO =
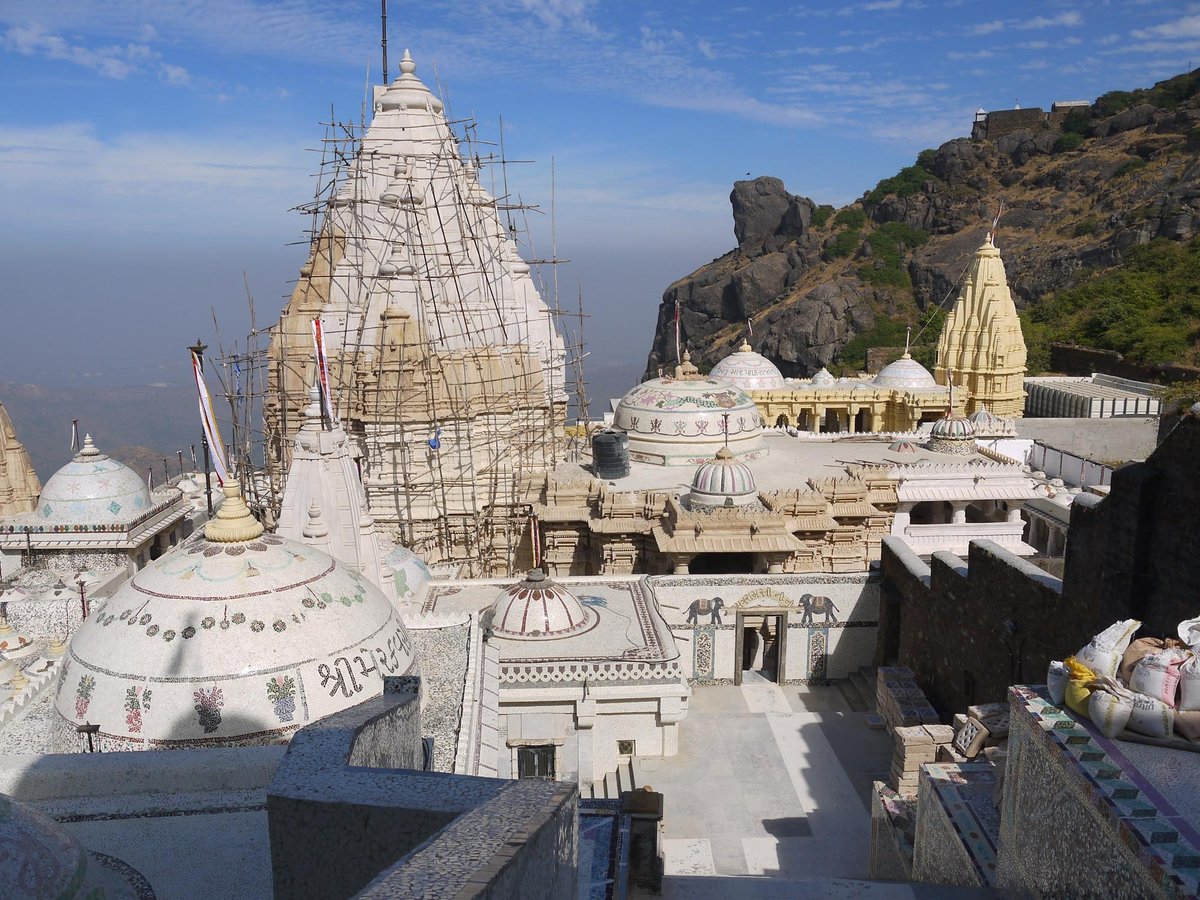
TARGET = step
(610,786)
(853,698)
(865,685)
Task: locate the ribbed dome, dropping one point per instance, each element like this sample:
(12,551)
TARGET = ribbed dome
(681,421)
(905,372)
(93,489)
(823,378)
(987,424)
(749,371)
(539,609)
(952,434)
(237,637)
(902,447)
(723,478)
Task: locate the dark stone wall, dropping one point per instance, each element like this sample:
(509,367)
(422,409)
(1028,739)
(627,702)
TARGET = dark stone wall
(1136,552)
(1006,121)
(968,633)
(970,630)
(1068,359)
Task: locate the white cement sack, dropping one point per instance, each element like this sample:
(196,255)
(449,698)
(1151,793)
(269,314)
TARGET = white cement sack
(1151,717)
(1110,711)
(1189,684)
(1189,633)
(1104,652)
(1057,678)
(1157,674)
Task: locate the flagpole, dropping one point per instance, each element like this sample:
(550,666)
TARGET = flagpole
(678,357)
(198,352)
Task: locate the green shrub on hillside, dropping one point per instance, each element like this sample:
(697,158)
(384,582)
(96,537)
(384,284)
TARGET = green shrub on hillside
(890,331)
(1148,310)
(851,217)
(905,183)
(821,215)
(1167,95)
(1068,140)
(1130,165)
(845,243)
(889,242)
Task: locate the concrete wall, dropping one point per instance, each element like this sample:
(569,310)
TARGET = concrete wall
(818,648)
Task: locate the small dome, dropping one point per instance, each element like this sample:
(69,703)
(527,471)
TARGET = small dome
(41,859)
(988,424)
(823,377)
(749,371)
(723,478)
(905,373)
(681,421)
(408,91)
(409,573)
(952,434)
(539,609)
(93,489)
(902,447)
(234,637)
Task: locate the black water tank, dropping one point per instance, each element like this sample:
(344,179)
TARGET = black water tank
(610,454)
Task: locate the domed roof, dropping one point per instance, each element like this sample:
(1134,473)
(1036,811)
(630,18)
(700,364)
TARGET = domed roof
(749,371)
(408,91)
(902,447)
(41,859)
(905,372)
(409,573)
(93,489)
(682,420)
(952,433)
(823,377)
(541,609)
(987,423)
(723,478)
(236,637)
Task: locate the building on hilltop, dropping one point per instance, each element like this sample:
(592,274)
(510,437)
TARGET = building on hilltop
(447,366)
(981,342)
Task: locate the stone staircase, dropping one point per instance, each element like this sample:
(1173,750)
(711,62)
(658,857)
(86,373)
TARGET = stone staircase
(623,778)
(859,689)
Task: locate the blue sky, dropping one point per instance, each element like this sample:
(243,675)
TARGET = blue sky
(150,149)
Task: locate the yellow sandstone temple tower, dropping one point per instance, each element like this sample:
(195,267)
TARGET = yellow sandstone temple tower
(19,485)
(981,340)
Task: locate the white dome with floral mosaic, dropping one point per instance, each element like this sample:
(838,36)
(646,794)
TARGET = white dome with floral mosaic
(749,371)
(235,637)
(681,421)
(92,489)
(905,372)
(952,434)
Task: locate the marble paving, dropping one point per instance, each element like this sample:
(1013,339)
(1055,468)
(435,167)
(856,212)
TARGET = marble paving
(770,781)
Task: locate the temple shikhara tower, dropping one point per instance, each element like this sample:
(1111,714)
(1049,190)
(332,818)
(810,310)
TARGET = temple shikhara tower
(981,340)
(446,366)
(19,485)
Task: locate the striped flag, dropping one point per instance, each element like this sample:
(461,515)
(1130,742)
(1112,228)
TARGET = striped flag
(208,419)
(75,434)
(323,369)
(237,379)
(535,538)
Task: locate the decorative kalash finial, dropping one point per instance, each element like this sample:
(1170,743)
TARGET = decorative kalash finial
(234,522)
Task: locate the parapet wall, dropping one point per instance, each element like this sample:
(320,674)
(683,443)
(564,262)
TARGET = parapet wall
(969,630)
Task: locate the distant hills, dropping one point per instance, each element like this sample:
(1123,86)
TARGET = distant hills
(136,425)
(1099,241)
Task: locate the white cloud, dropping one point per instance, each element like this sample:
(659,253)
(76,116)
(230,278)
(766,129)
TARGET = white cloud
(1062,20)
(706,49)
(883,5)
(988,27)
(114,61)
(973,54)
(1179,29)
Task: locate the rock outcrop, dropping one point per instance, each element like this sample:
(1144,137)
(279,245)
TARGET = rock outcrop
(1079,191)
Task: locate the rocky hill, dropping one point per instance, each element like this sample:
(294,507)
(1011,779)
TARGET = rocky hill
(1083,189)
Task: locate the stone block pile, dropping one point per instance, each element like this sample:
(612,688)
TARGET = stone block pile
(916,745)
(900,700)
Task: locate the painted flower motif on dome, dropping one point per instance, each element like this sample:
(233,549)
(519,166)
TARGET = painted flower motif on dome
(281,691)
(208,708)
(665,399)
(136,699)
(83,695)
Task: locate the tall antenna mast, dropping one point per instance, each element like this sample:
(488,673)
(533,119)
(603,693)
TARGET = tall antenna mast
(383,17)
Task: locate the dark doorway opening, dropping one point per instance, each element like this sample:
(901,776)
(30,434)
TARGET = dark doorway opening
(761,646)
(722,564)
(536,762)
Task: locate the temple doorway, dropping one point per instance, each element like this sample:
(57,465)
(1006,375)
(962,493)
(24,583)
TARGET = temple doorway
(760,646)
(722,564)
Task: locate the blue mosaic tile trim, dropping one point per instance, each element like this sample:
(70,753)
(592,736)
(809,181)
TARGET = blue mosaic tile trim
(959,788)
(1143,820)
(602,825)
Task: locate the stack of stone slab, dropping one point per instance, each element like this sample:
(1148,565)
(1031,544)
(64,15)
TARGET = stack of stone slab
(916,745)
(982,729)
(900,700)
